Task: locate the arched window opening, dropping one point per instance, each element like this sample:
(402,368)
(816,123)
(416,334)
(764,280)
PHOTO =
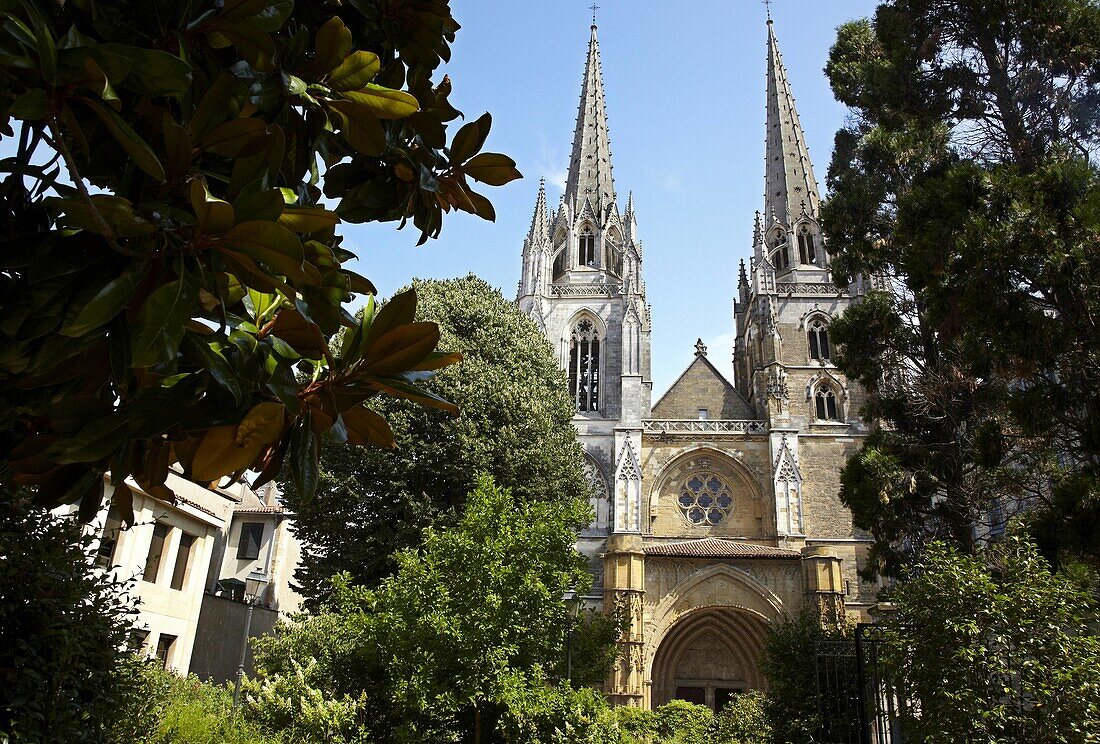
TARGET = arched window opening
(613,254)
(826,404)
(559,265)
(807,246)
(587,254)
(781,258)
(818,335)
(584,366)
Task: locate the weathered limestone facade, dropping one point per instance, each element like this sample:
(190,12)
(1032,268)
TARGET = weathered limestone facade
(716,508)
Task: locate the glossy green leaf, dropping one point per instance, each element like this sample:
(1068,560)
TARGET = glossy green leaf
(107,303)
(385,103)
(115,211)
(137,148)
(492,168)
(31,106)
(398,310)
(236,138)
(152,72)
(200,351)
(93,442)
(355,71)
(332,45)
(401,348)
(268,243)
(469,139)
(360,127)
(308,219)
(160,322)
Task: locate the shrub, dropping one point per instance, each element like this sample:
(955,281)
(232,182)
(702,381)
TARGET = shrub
(62,626)
(743,721)
(681,722)
(196,712)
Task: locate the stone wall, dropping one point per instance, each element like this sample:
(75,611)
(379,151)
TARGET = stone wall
(217,650)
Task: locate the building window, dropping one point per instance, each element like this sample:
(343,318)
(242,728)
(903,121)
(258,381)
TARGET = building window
(703,414)
(781,259)
(807,246)
(156,548)
(183,561)
(587,254)
(705,499)
(108,542)
(164,648)
(826,404)
(818,336)
(559,264)
(584,366)
(248,545)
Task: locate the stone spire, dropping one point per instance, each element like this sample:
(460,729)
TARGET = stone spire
(590,163)
(789,175)
(540,222)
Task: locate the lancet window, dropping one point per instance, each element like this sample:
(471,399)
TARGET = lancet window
(587,253)
(826,404)
(781,258)
(818,336)
(561,256)
(584,366)
(807,246)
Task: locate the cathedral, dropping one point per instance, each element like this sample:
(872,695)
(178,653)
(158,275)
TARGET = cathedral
(716,505)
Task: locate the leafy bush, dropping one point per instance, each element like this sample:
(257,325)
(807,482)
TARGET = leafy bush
(743,720)
(637,725)
(789,663)
(681,722)
(61,628)
(537,712)
(996,648)
(185,710)
(438,650)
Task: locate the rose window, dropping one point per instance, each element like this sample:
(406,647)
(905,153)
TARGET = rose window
(705,499)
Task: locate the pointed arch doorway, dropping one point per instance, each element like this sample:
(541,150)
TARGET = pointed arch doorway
(709,656)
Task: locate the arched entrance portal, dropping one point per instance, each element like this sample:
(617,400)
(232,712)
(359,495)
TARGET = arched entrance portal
(708,656)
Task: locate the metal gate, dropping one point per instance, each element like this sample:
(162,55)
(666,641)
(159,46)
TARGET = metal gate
(857,700)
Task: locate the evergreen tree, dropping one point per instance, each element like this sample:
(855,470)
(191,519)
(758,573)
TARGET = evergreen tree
(515,425)
(966,183)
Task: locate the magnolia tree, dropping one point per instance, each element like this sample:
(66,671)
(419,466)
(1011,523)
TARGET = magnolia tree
(170,280)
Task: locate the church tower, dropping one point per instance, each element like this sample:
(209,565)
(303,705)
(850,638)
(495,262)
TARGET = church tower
(783,354)
(581,281)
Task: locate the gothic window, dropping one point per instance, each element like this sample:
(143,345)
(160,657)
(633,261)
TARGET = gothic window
(613,254)
(781,258)
(587,254)
(818,336)
(807,246)
(584,366)
(559,265)
(705,498)
(825,404)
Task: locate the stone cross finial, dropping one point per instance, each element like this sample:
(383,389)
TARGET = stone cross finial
(768,6)
(700,348)
(594,9)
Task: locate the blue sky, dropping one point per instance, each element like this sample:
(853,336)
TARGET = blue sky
(685,100)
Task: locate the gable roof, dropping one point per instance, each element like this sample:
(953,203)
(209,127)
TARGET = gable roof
(701,385)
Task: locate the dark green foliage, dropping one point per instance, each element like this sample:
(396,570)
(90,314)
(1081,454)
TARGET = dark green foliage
(964,185)
(744,720)
(594,647)
(464,628)
(166,317)
(62,630)
(996,648)
(789,663)
(515,425)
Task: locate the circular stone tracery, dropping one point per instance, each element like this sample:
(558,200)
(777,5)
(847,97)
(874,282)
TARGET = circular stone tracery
(705,498)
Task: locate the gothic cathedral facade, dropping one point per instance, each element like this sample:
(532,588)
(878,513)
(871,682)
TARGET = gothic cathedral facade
(716,507)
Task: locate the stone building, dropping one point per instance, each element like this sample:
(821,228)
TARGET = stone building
(716,506)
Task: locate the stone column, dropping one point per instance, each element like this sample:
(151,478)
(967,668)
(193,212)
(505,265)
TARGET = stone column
(823,582)
(624,591)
